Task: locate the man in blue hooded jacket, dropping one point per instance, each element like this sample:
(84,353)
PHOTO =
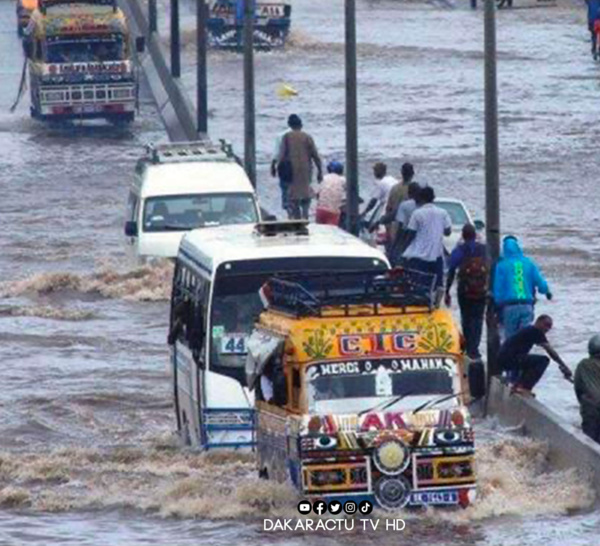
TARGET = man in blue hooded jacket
(517,279)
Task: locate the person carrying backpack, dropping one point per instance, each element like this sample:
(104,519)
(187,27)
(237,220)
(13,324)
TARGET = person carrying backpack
(470,259)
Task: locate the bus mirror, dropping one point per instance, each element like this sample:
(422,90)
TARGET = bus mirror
(131,229)
(140,44)
(476,374)
(479,225)
(28,48)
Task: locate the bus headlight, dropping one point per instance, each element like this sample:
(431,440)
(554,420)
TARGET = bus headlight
(391,456)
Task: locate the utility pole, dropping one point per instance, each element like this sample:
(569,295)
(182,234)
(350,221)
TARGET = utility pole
(152,16)
(249,108)
(175,40)
(351,120)
(202,68)
(492,171)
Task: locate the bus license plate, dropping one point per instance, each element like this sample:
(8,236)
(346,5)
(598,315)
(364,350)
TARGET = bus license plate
(234,344)
(430,497)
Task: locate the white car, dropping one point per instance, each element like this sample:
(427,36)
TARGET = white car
(180,187)
(459,216)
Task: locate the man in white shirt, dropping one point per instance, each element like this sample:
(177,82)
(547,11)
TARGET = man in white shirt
(425,236)
(383,185)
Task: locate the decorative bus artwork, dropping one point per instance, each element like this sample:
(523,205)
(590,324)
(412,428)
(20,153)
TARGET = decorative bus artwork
(80,62)
(362,391)
(272,21)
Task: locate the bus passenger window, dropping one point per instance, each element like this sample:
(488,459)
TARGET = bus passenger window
(180,322)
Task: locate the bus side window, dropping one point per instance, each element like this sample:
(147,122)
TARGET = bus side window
(181,306)
(196,334)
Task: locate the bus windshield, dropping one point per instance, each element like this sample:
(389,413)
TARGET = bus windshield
(236,303)
(185,212)
(85,50)
(385,378)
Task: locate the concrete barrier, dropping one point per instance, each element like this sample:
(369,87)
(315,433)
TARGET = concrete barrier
(172,102)
(569,447)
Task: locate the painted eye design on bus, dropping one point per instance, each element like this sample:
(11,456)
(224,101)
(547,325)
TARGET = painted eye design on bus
(447,437)
(326,442)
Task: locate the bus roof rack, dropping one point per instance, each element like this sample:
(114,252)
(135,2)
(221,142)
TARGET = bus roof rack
(287,227)
(307,294)
(44,4)
(184,152)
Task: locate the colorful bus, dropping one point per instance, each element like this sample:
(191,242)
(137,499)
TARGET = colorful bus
(362,391)
(80,61)
(272,23)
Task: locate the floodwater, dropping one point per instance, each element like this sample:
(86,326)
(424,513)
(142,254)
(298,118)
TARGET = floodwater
(87,454)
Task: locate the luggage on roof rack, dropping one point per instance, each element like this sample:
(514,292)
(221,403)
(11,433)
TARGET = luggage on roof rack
(201,150)
(291,227)
(308,294)
(44,4)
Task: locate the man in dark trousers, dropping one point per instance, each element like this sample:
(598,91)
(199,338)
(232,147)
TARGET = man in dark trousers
(587,389)
(526,370)
(470,259)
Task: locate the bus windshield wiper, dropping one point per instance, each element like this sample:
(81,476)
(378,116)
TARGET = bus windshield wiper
(386,403)
(171,227)
(431,403)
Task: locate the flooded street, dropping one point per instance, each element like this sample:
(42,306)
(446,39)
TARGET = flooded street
(87,454)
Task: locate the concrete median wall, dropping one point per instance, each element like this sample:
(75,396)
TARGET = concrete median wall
(569,447)
(172,102)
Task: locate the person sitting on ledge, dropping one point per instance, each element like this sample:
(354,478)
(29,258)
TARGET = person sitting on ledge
(525,370)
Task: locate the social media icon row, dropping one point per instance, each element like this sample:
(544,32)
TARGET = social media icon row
(335,507)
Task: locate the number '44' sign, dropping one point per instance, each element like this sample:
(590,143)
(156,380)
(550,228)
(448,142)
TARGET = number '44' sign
(233,344)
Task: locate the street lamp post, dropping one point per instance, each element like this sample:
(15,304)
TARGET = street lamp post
(202,70)
(175,40)
(249,104)
(492,173)
(351,120)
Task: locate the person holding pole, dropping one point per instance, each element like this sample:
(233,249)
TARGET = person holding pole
(525,370)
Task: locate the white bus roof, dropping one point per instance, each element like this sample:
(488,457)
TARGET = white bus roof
(211,247)
(193,178)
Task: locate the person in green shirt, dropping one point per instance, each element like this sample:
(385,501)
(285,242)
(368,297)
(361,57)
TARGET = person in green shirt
(587,389)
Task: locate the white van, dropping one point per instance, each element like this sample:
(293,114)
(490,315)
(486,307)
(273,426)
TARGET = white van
(179,187)
(215,303)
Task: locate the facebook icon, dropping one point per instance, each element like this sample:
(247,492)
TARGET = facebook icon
(319,507)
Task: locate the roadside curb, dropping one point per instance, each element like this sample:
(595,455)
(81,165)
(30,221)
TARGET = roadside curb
(174,106)
(569,446)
